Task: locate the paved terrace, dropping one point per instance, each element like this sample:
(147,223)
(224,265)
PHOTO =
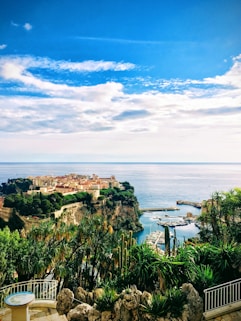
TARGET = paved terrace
(36,314)
(43,308)
(50,314)
(233,316)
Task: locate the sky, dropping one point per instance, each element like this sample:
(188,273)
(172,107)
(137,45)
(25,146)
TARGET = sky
(120,81)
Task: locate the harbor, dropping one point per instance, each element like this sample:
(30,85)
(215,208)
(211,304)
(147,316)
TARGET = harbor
(183,220)
(173,221)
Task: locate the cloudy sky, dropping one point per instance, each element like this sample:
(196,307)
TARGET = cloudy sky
(123,80)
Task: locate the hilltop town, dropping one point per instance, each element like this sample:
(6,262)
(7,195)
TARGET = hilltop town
(69,197)
(72,183)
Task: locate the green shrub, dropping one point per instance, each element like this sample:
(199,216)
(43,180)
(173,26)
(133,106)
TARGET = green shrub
(204,278)
(158,307)
(171,303)
(107,300)
(176,299)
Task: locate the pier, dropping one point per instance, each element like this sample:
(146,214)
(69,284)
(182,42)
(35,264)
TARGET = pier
(159,209)
(194,204)
(172,208)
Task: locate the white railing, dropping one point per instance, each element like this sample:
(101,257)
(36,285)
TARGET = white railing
(222,295)
(43,289)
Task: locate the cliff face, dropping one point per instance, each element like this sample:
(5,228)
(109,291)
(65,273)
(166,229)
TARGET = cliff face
(119,215)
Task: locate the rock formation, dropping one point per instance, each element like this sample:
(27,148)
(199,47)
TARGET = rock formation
(64,301)
(128,307)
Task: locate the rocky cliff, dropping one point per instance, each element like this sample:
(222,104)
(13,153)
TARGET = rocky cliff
(119,215)
(119,207)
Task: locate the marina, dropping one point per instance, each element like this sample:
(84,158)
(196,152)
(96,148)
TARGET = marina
(172,224)
(155,238)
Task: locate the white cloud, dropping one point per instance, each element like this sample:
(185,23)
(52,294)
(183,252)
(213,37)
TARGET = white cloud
(16,71)
(237,57)
(85,66)
(27,26)
(14,24)
(90,65)
(3,46)
(203,114)
(231,77)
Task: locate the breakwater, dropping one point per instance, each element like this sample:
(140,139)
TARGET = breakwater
(172,208)
(194,204)
(159,209)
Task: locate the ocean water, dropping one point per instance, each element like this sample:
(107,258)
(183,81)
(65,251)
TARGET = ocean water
(156,184)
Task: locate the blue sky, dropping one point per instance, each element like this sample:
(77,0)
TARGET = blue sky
(123,80)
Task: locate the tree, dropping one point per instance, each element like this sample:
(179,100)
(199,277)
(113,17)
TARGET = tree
(9,242)
(220,217)
(15,222)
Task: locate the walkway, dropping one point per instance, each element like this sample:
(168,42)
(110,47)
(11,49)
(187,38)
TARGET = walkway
(48,314)
(36,314)
(233,316)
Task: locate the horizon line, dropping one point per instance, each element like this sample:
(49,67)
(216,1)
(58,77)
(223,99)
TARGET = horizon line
(119,162)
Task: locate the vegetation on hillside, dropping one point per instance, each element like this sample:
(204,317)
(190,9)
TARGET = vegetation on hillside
(221,218)
(15,185)
(39,204)
(93,254)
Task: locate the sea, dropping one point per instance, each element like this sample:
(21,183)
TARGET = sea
(156,185)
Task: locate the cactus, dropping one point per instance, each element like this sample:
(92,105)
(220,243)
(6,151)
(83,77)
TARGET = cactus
(123,251)
(167,241)
(174,248)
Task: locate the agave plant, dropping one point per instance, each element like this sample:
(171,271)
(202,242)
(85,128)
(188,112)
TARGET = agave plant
(204,278)
(158,307)
(176,299)
(171,303)
(143,270)
(107,300)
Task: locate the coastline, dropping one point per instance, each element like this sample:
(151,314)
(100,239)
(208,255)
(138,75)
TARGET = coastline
(156,184)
